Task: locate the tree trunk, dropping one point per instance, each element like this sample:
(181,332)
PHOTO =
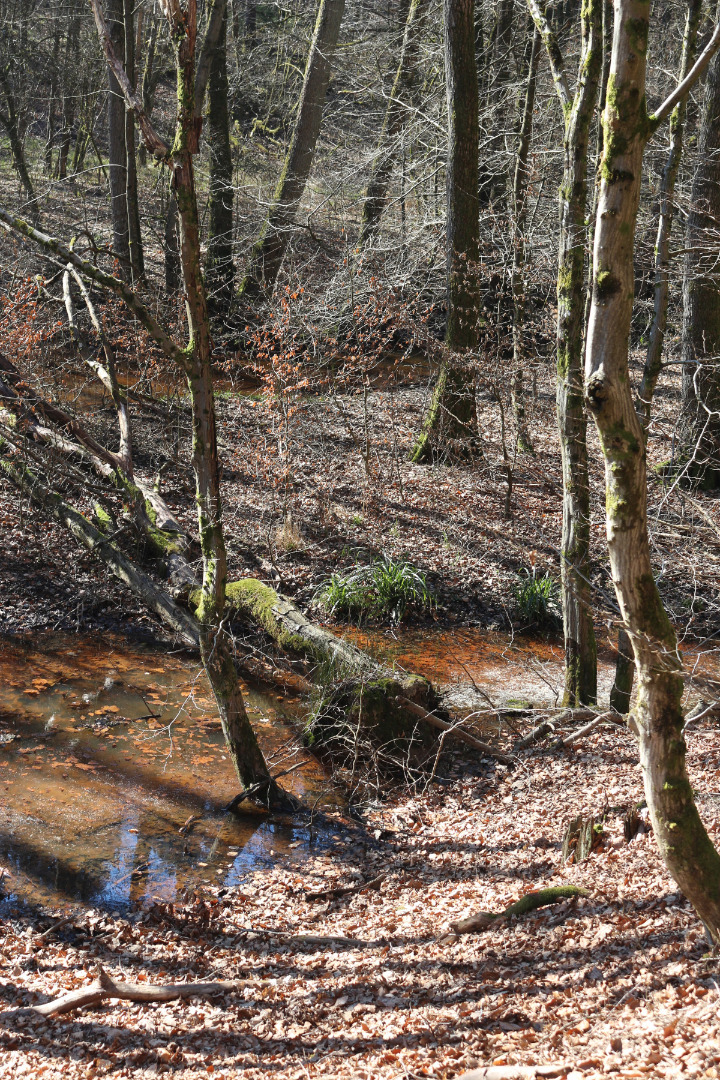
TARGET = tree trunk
(580,650)
(449,420)
(173,269)
(219,268)
(621,690)
(268,252)
(653,357)
(9,121)
(52,99)
(376,195)
(701,302)
(519,218)
(69,89)
(117,146)
(137,260)
(683,842)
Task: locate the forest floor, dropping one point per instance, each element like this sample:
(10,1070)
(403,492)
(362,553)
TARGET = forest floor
(615,983)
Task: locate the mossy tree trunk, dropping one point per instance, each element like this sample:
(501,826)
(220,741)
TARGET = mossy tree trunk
(700,435)
(450,418)
(269,250)
(376,195)
(682,839)
(9,120)
(194,360)
(579,633)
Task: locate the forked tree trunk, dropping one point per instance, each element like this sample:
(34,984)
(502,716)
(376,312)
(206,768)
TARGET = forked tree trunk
(700,455)
(376,195)
(269,250)
(580,650)
(682,839)
(449,420)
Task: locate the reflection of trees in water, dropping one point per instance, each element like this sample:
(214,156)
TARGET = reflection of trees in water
(58,873)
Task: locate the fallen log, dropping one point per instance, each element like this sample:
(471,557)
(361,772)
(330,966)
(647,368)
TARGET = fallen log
(481,920)
(358,691)
(104,988)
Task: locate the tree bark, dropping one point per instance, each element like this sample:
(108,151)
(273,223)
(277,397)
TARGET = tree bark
(9,121)
(653,357)
(579,633)
(219,268)
(137,259)
(519,219)
(450,417)
(700,436)
(117,146)
(269,250)
(682,839)
(376,195)
(69,88)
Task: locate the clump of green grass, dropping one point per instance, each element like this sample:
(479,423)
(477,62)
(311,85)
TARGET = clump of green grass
(537,600)
(384,589)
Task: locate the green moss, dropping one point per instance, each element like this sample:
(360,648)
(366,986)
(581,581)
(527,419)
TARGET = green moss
(654,617)
(259,601)
(606,285)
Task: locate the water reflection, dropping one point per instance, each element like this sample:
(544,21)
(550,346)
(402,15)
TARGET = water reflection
(114,775)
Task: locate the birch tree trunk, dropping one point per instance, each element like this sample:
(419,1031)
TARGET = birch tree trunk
(270,247)
(682,839)
(701,301)
(580,650)
(449,419)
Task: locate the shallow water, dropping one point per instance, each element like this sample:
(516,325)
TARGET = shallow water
(106,751)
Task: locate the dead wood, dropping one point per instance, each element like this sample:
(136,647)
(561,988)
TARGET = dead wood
(612,717)
(581,836)
(514,1072)
(452,729)
(548,726)
(345,890)
(530,902)
(104,988)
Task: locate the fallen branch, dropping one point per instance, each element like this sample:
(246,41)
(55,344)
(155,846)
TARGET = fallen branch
(530,902)
(316,939)
(547,727)
(514,1072)
(612,716)
(452,729)
(345,890)
(104,987)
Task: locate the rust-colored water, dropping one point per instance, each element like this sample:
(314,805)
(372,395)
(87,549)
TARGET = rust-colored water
(106,750)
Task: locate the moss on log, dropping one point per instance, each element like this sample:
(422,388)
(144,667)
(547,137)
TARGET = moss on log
(530,902)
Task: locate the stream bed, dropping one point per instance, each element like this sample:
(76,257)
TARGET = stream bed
(114,775)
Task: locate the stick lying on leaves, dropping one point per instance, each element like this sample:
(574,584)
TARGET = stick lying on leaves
(515,1072)
(530,902)
(104,987)
(345,890)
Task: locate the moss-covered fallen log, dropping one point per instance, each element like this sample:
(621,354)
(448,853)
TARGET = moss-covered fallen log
(356,690)
(481,920)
